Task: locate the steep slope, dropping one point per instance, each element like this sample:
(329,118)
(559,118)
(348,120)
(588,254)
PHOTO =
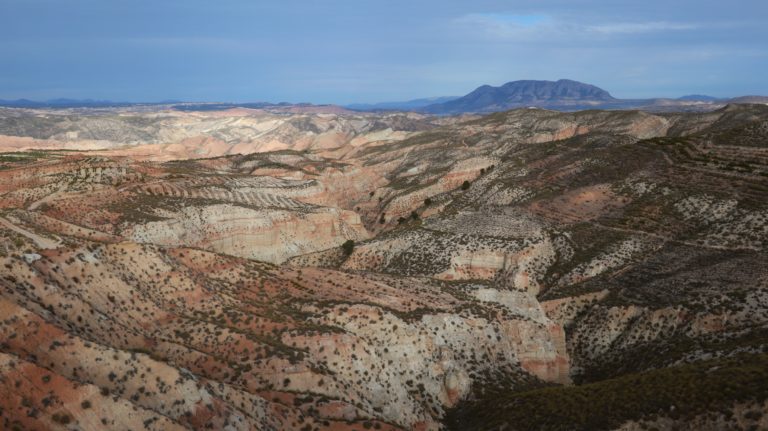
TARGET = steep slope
(196,340)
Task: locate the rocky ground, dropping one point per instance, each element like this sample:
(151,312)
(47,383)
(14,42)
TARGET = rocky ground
(515,271)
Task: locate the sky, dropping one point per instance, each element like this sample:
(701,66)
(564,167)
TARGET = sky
(345,51)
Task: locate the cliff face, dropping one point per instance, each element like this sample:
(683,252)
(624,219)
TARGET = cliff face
(270,235)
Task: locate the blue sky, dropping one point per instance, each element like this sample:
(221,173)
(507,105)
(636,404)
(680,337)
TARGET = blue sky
(342,51)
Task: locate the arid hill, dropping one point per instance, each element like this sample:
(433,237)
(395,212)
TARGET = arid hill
(164,134)
(529,269)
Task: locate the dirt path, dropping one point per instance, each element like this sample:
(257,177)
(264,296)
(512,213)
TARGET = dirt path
(33,206)
(41,242)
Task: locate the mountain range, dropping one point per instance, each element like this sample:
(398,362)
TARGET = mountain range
(515,94)
(64,103)
(560,95)
(569,95)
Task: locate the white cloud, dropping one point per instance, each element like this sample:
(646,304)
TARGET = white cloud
(641,27)
(517,26)
(504,25)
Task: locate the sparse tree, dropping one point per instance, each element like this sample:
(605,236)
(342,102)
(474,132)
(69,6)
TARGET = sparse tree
(348,247)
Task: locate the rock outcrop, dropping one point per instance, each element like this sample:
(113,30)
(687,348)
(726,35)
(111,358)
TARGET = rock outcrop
(270,235)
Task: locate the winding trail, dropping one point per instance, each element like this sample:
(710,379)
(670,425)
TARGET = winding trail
(33,206)
(41,242)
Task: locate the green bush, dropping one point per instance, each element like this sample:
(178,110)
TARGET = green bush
(348,247)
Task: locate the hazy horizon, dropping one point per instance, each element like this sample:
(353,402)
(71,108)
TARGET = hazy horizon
(371,102)
(346,52)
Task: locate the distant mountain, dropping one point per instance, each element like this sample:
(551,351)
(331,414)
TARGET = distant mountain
(749,99)
(561,95)
(401,106)
(516,94)
(697,98)
(19,103)
(283,107)
(214,106)
(63,103)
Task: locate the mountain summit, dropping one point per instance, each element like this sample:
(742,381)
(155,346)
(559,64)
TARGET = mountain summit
(524,93)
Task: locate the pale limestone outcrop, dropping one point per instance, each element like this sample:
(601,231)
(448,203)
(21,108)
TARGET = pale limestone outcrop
(408,369)
(271,235)
(538,357)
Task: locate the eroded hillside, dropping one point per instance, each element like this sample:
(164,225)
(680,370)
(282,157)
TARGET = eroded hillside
(488,262)
(164,134)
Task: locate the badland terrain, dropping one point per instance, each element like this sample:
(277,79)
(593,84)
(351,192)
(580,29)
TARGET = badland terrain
(316,268)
